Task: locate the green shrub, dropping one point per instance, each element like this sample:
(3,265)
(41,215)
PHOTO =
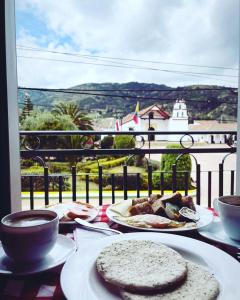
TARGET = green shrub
(107,142)
(131,181)
(91,168)
(26,163)
(155,164)
(184,164)
(59,167)
(124,142)
(38,182)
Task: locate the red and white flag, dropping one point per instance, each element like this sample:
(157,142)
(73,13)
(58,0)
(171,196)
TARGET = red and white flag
(117,125)
(135,116)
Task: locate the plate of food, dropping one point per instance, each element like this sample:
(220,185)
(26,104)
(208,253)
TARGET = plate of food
(146,265)
(168,213)
(68,211)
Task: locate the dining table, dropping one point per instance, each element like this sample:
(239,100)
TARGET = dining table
(46,285)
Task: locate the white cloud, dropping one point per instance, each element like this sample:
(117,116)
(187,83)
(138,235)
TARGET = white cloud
(203,32)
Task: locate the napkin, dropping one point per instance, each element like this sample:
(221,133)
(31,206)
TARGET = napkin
(83,235)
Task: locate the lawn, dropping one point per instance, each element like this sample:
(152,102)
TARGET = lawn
(130,169)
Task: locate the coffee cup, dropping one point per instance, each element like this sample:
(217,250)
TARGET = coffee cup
(28,236)
(228,208)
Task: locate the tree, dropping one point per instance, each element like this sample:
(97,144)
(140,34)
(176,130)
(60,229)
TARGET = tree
(71,109)
(47,121)
(27,108)
(184,164)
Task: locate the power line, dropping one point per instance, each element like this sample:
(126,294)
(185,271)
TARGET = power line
(186,73)
(128,59)
(123,64)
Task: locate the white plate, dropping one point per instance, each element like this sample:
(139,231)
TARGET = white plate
(79,278)
(62,250)
(215,232)
(206,217)
(62,208)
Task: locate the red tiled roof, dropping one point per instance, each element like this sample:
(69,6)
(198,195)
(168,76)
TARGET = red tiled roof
(158,113)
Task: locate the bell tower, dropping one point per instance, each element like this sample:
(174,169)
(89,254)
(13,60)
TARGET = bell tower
(178,120)
(180,110)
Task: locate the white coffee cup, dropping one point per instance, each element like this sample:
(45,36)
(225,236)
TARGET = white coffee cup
(228,208)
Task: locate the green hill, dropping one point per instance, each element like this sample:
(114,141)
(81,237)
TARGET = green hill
(202,104)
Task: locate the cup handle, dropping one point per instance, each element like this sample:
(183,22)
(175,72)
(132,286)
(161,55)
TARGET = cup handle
(215,205)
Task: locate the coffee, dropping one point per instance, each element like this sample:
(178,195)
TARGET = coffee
(27,221)
(231,200)
(28,236)
(228,208)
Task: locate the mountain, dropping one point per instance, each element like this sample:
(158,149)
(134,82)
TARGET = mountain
(203,101)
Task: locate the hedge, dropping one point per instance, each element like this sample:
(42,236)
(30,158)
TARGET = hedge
(106,165)
(39,183)
(107,142)
(118,179)
(184,164)
(124,142)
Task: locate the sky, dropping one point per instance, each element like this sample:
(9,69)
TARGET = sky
(152,41)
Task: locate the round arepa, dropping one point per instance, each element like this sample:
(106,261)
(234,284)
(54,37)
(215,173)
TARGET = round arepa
(199,285)
(141,265)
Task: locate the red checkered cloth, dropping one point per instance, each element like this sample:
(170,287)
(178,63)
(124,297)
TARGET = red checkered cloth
(45,286)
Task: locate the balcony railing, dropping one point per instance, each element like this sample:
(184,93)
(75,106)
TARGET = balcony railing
(31,149)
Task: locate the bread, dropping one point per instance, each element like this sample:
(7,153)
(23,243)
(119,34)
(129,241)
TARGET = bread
(141,209)
(199,285)
(175,198)
(139,200)
(141,265)
(154,197)
(74,213)
(158,208)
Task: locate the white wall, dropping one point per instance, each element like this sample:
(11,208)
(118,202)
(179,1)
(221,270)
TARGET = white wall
(177,125)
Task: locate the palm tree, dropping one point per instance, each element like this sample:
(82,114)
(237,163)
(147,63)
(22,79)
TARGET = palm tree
(79,118)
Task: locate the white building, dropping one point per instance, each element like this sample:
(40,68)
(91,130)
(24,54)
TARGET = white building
(155,118)
(212,125)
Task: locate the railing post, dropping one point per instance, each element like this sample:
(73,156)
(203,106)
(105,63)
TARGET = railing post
(46,186)
(174,178)
(162,182)
(149,180)
(186,180)
(31,188)
(220,179)
(125,185)
(138,184)
(209,188)
(198,184)
(113,187)
(74,188)
(87,188)
(100,182)
(60,188)
(232,182)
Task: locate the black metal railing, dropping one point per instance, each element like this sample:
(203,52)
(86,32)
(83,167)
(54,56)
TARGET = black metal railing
(186,139)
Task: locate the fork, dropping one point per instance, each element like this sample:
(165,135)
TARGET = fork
(89,225)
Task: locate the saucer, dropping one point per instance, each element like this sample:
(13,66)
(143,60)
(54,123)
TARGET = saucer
(215,232)
(62,250)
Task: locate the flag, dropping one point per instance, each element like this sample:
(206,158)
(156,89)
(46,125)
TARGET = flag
(117,125)
(135,116)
